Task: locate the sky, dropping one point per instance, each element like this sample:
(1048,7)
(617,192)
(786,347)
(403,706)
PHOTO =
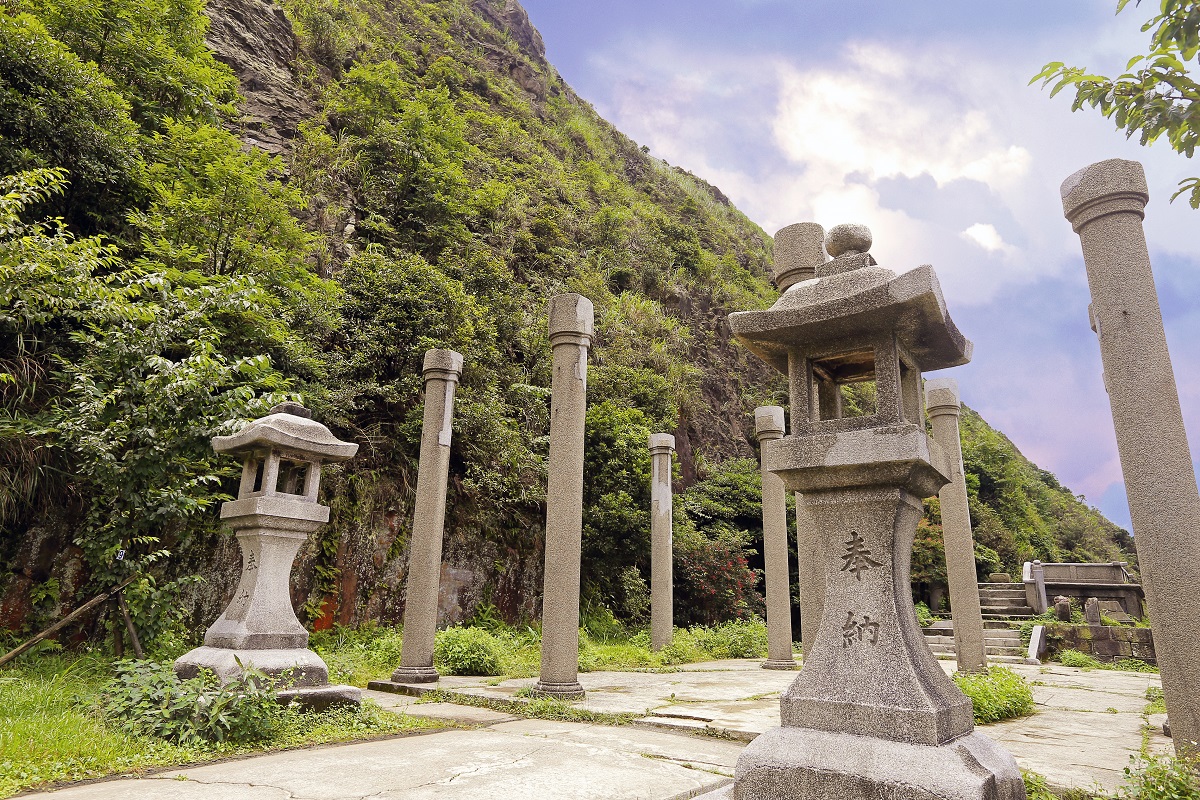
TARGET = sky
(917,120)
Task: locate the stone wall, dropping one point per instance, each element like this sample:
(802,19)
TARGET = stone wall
(1105,642)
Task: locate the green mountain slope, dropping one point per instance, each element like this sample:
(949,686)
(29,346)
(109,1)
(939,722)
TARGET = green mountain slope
(400,176)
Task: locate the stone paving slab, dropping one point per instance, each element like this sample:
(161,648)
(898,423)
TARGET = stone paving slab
(523,759)
(1087,725)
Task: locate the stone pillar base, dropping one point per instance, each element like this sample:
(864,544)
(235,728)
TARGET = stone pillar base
(557,691)
(319,698)
(806,764)
(415,675)
(304,667)
(779,663)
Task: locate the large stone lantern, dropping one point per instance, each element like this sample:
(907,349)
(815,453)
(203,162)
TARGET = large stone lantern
(275,511)
(871,714)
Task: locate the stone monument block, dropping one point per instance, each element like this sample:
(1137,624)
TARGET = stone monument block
(1062,608)
(662,602)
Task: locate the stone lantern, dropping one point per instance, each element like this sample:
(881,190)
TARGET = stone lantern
(275,511)
(871,713)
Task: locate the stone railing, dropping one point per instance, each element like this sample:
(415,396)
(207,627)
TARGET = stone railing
(1108,583)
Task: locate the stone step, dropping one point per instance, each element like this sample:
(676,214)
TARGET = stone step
(948,641)
(1002,609)
(1012,616)
(942,650)
(988,624)
(1000,595)
(998,659)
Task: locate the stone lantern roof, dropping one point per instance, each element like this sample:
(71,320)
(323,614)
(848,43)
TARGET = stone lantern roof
(288,427)
(850,296)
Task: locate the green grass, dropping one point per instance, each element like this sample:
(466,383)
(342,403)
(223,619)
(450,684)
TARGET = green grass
(1075,658)
(52,729)
(997,694)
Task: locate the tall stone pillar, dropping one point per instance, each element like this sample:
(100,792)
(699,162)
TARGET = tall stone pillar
(943,407)
(1105,204)
(768,426)
(799,251)
(571,325)
(662,594)
(441,372)
(810,555)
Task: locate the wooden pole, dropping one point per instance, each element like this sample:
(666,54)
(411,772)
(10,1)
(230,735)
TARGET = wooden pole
(133,637)
(62,623)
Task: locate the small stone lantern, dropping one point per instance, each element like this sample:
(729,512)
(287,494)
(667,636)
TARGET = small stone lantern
(275,511)
(871,713)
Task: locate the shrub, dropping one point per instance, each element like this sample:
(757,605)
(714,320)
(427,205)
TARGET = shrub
(996,694)
(736,639)
(1036,787)
(148,698)
(924,616)
(467,651)
(1074,658)
(1163,778)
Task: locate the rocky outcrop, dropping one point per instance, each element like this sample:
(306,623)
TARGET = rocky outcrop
(256,40)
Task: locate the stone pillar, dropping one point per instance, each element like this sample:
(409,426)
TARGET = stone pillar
(810,554)
(943,407)
(1105,204)
(571,325)
(768,426)
(799,250)
(441,372)
(275,511)
(662,595)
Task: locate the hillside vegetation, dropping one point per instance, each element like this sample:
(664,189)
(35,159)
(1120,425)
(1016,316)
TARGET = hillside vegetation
(400,176)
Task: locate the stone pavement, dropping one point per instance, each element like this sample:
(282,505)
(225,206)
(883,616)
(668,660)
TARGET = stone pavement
(1086,727)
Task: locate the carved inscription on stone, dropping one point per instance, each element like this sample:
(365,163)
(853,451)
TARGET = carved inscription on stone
(855,632)
(857,558)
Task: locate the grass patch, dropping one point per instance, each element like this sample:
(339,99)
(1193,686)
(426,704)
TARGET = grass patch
(1075,658)
(53,729)
(996,695)
(541,708)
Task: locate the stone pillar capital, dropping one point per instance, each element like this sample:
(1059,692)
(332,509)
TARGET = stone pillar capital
(572,320)
(661,444)
(799,249)
(941,397)
(443,365)
(768,423)
(1109,187)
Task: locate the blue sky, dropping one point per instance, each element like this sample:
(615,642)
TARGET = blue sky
(915,119)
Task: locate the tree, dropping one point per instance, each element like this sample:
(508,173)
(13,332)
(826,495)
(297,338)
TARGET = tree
(1157,98)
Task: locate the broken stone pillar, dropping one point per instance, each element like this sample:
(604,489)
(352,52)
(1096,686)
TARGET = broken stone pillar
(1062,608)
(769,426)
(943,406)
(662,601)
(799,250)
(871,714)
(571,326)
(275,511)
(441,372)
(1091,611)
(1105,204)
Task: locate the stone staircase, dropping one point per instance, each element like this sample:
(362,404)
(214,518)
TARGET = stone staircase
(1004,609)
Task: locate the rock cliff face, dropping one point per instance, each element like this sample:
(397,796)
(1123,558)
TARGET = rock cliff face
(256,40)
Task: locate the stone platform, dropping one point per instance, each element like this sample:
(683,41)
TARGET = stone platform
(690,728)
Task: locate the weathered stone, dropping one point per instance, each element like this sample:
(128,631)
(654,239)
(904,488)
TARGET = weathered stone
(1000,577)
(799,249)
(441,372)
(662,602)
(1105,204)
(810,550)
(943,407)
(572,321)
(768,426)
(275,511)
(1091,611)
(871,713)
(1062,608)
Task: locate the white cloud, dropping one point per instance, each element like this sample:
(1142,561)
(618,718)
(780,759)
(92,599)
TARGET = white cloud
(986,236)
